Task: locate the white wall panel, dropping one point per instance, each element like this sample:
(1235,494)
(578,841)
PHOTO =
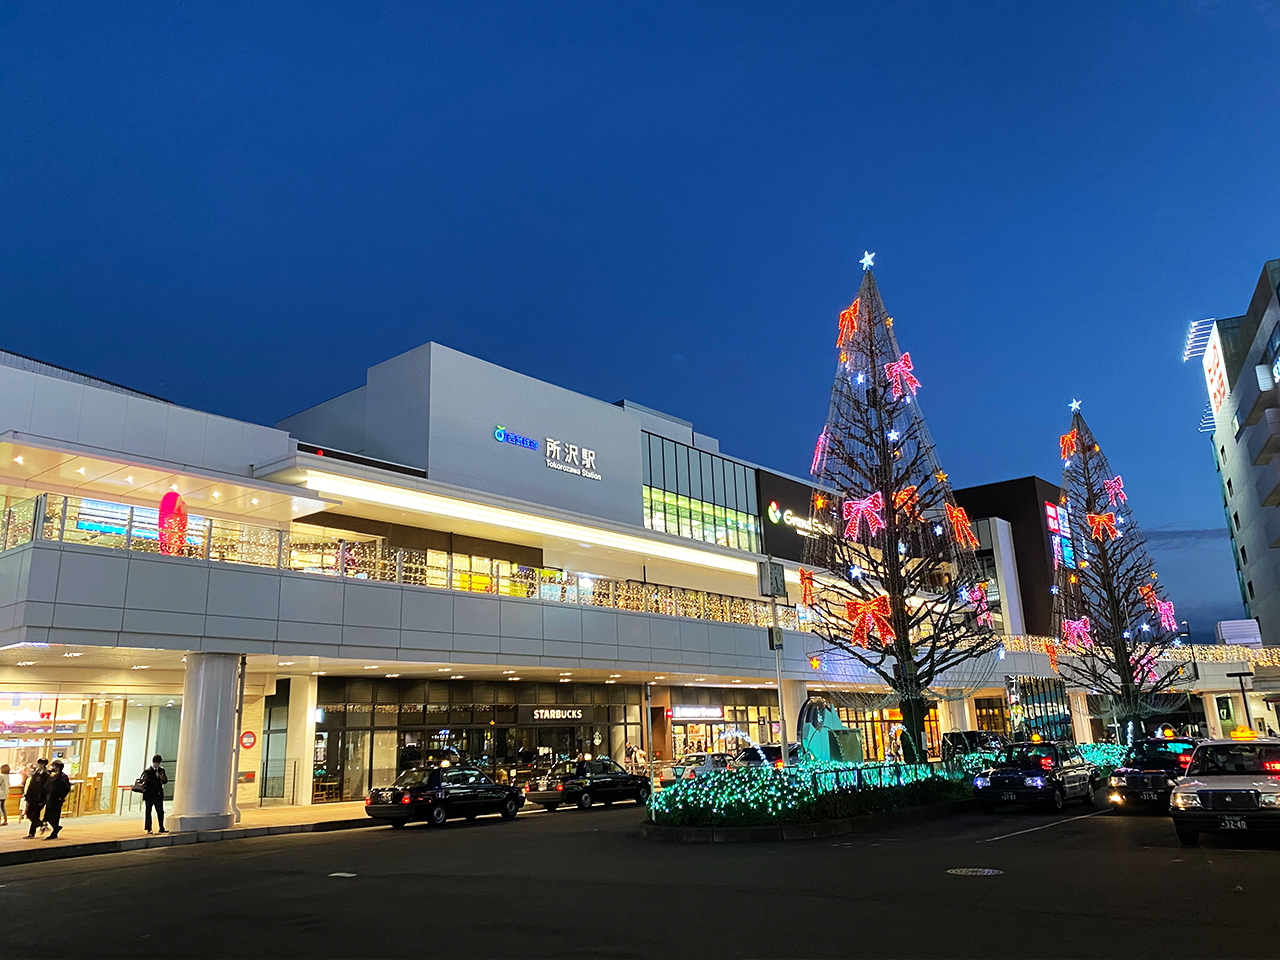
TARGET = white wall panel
(173,585)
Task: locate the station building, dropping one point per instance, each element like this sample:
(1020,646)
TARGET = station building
(450,554)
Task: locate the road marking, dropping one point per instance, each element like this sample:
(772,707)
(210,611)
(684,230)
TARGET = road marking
(1043,826)
(975,872)
(342,874)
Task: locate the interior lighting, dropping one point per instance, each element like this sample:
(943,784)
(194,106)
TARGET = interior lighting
(659,678)
(141,666)
(18,460)
(698,679)
(173,487)
(565,680)
(216,494)
(254,501)
(443,669)
(456,676)
(80,471)
(26,663)
(513,678)
(437,505)
(128,479)
(567,673)
(73,654)
(615,675)
(390,675)
(735,681)
(285,663)
(610,681)
(372,666)
(507,671)
(317,673)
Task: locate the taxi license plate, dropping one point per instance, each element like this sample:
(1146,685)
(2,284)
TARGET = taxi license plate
(1008,795)
(1232,823)
(1148,795)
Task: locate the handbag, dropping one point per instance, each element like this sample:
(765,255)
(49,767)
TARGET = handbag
(140,785)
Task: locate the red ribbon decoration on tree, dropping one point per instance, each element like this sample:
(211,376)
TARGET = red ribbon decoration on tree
(1100,523)
(960,526)
(900,373)
(1077,632)
(1167,619)
(978,596)
(865,615)
(1051,649)
(806,587)
(908,501)
(819,454)
(869,507)
(1115,490)
(1068,443)
(848,323)
(1148,594)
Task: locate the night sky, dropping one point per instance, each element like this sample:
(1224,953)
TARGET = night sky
(241,207)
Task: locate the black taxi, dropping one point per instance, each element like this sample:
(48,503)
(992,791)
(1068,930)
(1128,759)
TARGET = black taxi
(1148,773)
(436,792)
(584,782)
(1041,771)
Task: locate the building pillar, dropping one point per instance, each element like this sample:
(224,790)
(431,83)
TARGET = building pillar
(794,694)
(299,751)
(206,742)
(1210,702)
(1081,728)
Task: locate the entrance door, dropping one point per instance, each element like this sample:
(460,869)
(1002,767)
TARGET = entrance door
(101,769)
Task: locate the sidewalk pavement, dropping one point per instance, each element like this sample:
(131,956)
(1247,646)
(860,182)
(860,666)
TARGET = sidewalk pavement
(109,833)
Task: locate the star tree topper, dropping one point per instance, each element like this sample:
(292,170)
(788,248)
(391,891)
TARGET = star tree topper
(868,260)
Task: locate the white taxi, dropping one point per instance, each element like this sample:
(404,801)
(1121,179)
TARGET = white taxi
(1230,786)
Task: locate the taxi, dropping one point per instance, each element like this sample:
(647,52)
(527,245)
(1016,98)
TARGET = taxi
(1232,786)
(1149,771)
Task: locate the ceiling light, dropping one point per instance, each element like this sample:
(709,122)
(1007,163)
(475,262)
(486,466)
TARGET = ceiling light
(254,501)
(18,460)
(437,505)
(141,666)
(566,673)
(735,681)
(81,471)
(26,663)
(372,666)
(443,669)
(507,671)
(173,487)
(615,675)
(317,673)
(456,676)
(216,494)
(610,681)
(659,678)
(73,654)
(698,679)
(128,479)
(513,678)
(389,675)
(565,680)
(285,663)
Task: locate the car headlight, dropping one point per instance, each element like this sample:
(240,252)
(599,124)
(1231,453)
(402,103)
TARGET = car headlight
(1116,781)
(1034,781)
(1269,800)
(981,782)
(1170,782)
(1185,801)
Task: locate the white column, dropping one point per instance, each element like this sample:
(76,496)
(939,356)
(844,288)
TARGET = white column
(1080,724)
(299,752)
(206,742)
(1210,702)
(794,694)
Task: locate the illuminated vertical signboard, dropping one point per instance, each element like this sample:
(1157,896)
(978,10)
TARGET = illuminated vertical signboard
(1215,371)
(1059,523)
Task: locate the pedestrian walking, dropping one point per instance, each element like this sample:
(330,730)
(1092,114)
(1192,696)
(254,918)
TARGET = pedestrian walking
(59,787)
(153,780)
(4,794)
(34,795)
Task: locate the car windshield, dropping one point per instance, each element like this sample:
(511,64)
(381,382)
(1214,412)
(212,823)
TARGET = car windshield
(416,778)
(1163,752)
(694,759)
(1235,759)
(1022,756)
(565,768)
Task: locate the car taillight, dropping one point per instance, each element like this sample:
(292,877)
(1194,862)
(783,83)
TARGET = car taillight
(404,799)
(1046,763)
(368,800)
(526,788)
(1185,760)
(559,786)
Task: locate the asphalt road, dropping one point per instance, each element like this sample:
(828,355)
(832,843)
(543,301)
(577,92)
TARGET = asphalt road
(582,884)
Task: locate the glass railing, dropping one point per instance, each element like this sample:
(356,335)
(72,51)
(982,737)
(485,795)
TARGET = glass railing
(308,548)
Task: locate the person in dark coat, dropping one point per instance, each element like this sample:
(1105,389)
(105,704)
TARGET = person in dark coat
(59,787)
(34,794)
(153,780)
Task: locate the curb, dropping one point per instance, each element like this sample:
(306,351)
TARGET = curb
(92,849)
(865,823)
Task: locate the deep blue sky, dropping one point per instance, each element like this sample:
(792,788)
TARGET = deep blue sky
(241,207)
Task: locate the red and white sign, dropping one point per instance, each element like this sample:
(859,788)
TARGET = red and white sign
(247,740)
(1215,371)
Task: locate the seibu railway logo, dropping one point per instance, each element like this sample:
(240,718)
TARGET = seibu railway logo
(562,714)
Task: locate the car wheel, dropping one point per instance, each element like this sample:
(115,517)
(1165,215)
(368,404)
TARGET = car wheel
(398,823)
(584,800)
(437,815)
(1056,801)
(510,808)
(642,794)
(550,807)
(987,807)
(1088,797)
(1188,838)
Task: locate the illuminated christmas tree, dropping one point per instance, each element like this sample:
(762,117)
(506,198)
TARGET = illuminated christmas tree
(895,584)
(1112,618)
